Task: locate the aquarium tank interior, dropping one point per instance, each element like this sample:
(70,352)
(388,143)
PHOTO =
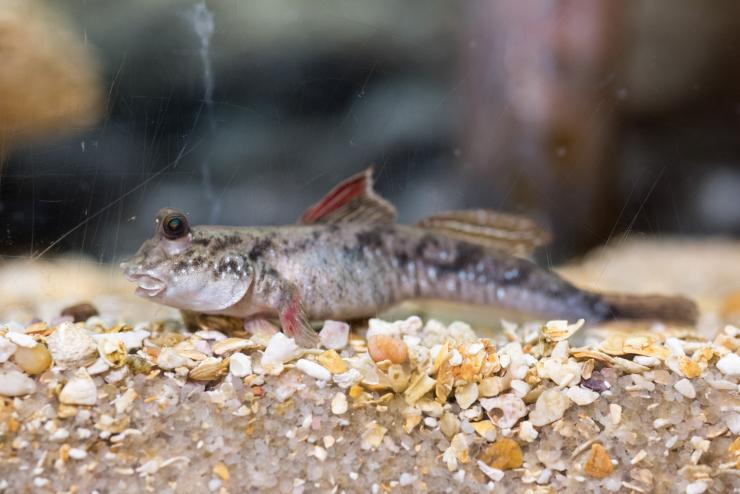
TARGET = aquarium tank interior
(346,246)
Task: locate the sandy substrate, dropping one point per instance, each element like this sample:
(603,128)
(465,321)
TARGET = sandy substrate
(129,401)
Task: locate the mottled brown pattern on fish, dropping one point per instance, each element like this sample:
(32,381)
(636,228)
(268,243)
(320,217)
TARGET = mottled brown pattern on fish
(362,269)
(348,259)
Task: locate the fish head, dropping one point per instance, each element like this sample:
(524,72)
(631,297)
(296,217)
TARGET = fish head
(175,268)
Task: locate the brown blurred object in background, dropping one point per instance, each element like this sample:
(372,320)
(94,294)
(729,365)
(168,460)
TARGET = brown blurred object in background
(540,110)
(606,117)
(49,84)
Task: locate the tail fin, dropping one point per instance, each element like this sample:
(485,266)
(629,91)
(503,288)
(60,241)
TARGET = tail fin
(652,307)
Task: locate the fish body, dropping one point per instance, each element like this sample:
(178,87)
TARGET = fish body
(349,259)
(358,270)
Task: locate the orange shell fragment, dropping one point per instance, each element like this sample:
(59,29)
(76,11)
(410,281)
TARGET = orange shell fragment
(599,464)
(503,454)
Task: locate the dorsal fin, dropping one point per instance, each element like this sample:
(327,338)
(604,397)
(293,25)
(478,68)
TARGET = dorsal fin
(516,234)
(352,201)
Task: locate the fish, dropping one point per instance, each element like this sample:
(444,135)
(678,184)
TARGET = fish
(347,258)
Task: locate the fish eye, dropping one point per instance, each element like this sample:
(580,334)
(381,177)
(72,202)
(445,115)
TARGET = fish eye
(175,226)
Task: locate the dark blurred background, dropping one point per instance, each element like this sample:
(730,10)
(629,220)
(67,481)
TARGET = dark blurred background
(599,118)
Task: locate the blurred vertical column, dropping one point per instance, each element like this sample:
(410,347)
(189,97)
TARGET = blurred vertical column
(539,79)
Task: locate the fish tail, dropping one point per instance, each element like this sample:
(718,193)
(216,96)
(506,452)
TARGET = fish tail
(667,308)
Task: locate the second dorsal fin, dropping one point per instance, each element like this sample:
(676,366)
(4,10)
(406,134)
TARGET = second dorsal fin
(351,201)
(516,234)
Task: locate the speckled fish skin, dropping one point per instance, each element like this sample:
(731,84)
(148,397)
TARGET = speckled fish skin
(348,259)
(355,271)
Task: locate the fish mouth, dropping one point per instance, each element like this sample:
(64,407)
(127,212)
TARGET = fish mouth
(148,285)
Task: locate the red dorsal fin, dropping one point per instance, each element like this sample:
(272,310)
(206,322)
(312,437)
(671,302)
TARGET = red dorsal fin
(352,201)
(516,234)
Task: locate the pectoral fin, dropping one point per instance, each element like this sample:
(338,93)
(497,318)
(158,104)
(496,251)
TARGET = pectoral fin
(352,201)
(516,234)
(294,320)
